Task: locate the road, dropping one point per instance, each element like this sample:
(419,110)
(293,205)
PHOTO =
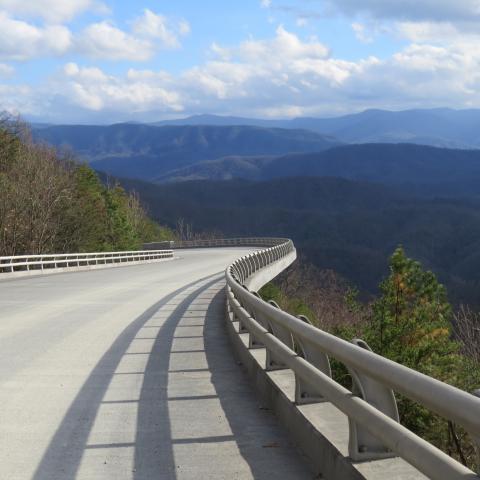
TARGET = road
(126,373)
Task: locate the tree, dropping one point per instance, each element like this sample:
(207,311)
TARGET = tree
(411,325)
(50,203)
(411,320)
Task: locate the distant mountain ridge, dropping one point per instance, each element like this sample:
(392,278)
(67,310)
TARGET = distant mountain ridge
(441,127)
(146,151)
(390,164)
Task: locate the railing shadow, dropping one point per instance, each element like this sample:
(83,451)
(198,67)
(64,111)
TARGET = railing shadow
(64,453)
(153,440)
(261,441)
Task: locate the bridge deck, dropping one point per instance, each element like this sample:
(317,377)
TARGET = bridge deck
(127,374)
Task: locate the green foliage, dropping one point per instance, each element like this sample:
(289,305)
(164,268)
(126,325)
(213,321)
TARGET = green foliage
(49,203)
(411,325)
(411,319)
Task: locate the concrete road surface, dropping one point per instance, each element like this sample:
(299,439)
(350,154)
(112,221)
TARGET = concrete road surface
(126,373)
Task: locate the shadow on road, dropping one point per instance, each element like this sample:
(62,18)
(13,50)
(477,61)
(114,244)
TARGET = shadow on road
(62,458)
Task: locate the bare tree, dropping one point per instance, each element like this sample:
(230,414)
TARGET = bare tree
(325,293)
(467,331)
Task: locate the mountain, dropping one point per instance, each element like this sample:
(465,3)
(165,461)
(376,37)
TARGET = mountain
(348,226)
(221,120)
(419,166)
(145,151)
(441,127)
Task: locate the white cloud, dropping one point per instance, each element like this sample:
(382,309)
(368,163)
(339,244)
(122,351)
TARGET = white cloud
(265,3)
(150,32)
(440,33)
(22,41)
(281,76)
(91,89)
(53,11)
(105,40)
(286,46)
(160,28)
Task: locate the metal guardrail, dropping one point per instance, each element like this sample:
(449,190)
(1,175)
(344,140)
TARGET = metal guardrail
(73,260)
(375,431)
(217,242)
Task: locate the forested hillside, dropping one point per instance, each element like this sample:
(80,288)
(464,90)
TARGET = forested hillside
(145,151)
(49,203)
(348,226)
(423,169)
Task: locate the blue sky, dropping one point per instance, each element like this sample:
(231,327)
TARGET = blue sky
(98,61)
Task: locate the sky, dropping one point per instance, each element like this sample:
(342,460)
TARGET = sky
(106,61)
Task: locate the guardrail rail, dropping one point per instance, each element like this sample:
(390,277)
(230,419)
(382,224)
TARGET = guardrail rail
(374,428)
(216,242)
(18,263)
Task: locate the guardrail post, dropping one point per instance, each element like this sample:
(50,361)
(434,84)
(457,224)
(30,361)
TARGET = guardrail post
(305,392)
(252,341)
(362,444)
(284,335)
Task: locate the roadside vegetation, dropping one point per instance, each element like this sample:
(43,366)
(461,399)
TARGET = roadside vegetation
(410,322)
(51,203)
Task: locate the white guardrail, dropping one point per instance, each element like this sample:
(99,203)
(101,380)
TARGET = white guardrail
(74,260)
(375,431)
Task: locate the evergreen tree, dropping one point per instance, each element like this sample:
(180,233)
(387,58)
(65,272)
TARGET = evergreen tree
(411,325)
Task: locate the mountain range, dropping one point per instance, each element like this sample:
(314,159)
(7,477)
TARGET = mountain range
(441,127)
(348,190)
(147,152)
(447,170)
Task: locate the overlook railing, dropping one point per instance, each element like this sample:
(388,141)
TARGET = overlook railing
(217,242)
(74,260)
(374,428)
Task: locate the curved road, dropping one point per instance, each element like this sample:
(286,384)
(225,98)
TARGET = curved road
(126,373)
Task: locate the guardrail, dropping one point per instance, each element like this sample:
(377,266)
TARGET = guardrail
(74,260)
(374,428)
(217,242)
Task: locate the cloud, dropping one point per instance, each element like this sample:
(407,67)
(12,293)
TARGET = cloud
(150,33)
(284,75)
(434,10)
(161,29)
(91,89)
(52,11)
(105,40)
(22,41)
(284,47)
